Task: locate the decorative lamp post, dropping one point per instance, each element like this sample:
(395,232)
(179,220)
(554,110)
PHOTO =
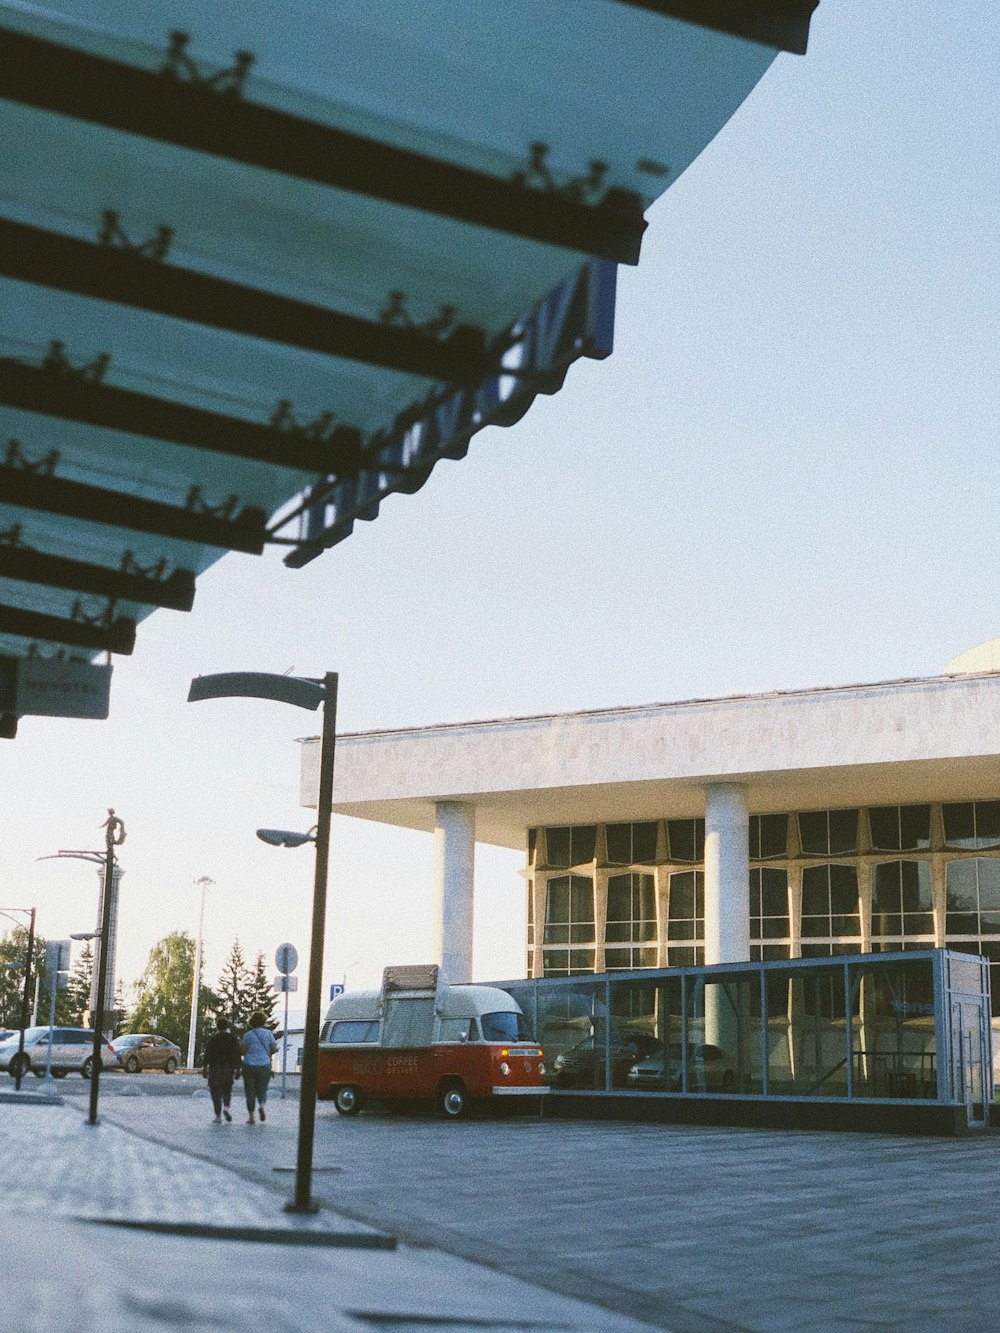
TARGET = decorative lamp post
(114,836)
(203,884)
(303,693)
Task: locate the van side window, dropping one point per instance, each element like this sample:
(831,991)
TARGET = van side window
(350,1031)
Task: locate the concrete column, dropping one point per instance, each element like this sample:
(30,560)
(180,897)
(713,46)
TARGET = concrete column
(454,869)
(727,874)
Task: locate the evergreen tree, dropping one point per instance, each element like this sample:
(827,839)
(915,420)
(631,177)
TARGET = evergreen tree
(122,1008)
(262,995)
(75,999)
(232,997)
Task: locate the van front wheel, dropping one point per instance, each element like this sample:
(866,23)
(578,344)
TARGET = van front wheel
(347,1100)
(453,1101)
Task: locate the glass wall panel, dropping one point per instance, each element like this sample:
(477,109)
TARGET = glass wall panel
(723,1048)
(572,1029)
(893,1031)
(816,1035)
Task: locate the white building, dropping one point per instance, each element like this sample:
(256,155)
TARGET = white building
(862,818)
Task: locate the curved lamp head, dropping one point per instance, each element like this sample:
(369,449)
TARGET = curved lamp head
(282,837)
(86,935)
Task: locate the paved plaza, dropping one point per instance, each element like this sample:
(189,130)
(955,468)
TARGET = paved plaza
(514,1223)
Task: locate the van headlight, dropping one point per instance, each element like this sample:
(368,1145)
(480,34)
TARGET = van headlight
(504,1068)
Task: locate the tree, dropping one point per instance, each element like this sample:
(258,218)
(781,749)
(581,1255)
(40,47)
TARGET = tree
(13,948)
(76,997)
(261,994)
(233,991)
(163,993)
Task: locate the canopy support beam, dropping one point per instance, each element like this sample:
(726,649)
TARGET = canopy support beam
(118,637)
(45,74)
(175,591)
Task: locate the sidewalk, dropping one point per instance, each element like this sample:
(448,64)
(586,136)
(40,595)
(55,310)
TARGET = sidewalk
(75,1199)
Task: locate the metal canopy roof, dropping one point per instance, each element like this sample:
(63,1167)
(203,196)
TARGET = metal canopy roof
(262,264)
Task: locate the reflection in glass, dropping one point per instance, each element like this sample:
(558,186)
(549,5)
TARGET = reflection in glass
(569,910)
(900,828)
(631,908)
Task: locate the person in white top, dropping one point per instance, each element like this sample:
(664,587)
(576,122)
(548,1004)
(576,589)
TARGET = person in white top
(257,1047)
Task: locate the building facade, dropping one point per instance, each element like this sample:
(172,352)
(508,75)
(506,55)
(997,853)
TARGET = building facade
(800,824)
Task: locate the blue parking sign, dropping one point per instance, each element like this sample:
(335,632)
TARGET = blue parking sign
(336,988)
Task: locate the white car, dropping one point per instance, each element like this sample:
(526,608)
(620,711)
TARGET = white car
(72,1048)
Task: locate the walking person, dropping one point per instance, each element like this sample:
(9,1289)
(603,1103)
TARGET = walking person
(257,1047)
(221,1064)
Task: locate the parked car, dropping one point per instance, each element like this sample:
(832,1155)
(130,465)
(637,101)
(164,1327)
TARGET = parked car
(72,1048)
(582,1066)
(710,1069)
(145,1050)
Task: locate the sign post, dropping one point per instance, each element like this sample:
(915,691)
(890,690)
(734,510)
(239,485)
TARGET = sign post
(57,966)
(286,960)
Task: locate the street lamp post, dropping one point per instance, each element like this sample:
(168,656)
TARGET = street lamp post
(26,993)
(303,693)
(203,883)
(114,836)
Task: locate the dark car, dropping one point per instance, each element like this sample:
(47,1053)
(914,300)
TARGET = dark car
(145,1050)
(710,1069)
(582,1066)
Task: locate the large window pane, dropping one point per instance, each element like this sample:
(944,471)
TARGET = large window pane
(902,899)
(686,912)
(973,901)
(569,910)
(828,832)
(687,839)
(570,846)
(768,836)
(972,824)
(631,908)
(768,903)
(631,844)
(900,828)
(830,906)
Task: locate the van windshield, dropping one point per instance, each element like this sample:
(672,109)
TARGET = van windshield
(505,1027)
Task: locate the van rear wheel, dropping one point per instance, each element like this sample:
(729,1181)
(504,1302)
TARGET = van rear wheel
(453,1101)
(348,1100)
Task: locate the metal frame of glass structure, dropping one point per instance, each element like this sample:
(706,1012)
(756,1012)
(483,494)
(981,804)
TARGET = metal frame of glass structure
(898,1027)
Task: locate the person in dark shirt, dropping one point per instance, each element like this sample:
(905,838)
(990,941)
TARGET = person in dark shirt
(220,1066)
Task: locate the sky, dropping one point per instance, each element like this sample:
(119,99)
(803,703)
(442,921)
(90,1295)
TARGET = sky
(785,476)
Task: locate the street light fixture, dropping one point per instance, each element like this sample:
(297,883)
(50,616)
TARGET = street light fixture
(306,693)
(283,837)
(114,836)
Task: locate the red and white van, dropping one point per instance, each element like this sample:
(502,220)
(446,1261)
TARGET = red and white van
(416,1040)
